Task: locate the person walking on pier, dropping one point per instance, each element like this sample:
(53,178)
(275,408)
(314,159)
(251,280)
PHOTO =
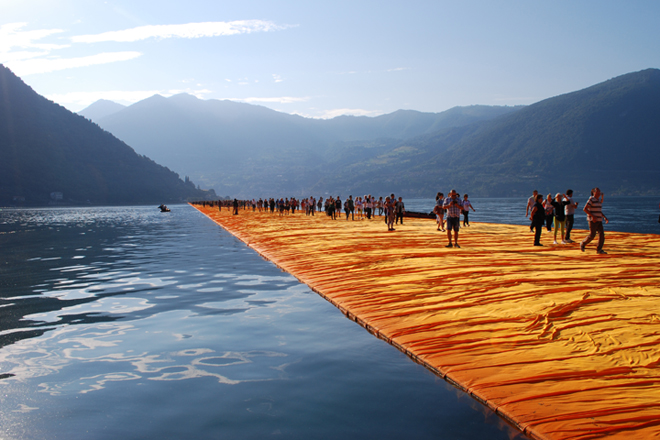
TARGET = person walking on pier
(466,210)
(350,208)
(538,216)
(595,216)
(400,210)
(454,209)
(530,204)
(439,211)
(570,214)
(549,212)
(559,205)
(389,212)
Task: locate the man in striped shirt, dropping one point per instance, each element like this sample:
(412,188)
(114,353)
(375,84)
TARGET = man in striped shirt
(454,209)
(595,216)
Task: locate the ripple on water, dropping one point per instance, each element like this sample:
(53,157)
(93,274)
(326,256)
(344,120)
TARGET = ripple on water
(193,333)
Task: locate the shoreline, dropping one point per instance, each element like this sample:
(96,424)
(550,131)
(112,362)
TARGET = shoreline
(530,311)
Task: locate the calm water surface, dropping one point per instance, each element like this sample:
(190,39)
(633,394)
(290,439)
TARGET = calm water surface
(134,324)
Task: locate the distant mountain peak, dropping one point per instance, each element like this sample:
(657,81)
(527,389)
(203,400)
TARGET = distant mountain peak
(184,97)
(101,109)
(73,157)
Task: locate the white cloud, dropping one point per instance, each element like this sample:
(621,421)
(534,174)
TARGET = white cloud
(277,78)
(188,30)
(44,65)
(11,36)
(22,52)
(18,45)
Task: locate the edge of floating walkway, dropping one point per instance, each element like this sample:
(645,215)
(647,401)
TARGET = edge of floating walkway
(562,344)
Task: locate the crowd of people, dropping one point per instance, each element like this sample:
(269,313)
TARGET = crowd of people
(547,212)
(391,208)
(560,213)
(366,207)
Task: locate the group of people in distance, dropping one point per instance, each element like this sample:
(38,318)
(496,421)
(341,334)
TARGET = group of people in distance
(453,207)
(548,212)
(561,211)
(366,207)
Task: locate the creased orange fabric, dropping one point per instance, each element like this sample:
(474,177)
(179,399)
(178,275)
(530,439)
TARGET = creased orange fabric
(564,344)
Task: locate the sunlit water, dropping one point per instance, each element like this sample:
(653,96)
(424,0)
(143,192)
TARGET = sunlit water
(130,323)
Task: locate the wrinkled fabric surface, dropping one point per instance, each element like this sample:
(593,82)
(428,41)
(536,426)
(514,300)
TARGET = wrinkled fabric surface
(562,343)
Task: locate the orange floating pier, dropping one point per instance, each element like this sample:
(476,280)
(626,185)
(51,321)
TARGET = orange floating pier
(563,344)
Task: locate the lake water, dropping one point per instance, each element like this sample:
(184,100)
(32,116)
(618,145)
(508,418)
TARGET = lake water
(129,323)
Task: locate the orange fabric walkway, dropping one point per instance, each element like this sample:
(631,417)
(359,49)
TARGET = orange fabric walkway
(563,344)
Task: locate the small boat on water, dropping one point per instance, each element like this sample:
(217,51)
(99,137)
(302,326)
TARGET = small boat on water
(164,208)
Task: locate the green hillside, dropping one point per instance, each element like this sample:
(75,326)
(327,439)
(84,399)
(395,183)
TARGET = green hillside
(607,135)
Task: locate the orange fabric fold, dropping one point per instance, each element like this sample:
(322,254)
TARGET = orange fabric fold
(563,344)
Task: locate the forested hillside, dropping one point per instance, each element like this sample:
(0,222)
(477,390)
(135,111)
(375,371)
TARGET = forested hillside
(46,149)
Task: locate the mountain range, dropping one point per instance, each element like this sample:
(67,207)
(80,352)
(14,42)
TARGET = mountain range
(606,135)
(243,150)
(50,155)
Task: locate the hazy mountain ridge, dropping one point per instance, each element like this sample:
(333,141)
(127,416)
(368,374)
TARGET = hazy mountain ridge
(101,109)
(606,135)
(47,149)
(239,148)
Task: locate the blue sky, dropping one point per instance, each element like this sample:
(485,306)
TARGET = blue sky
(323,59)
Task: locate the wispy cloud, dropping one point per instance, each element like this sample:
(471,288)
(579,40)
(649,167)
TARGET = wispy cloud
(44,65)
(25,52)
(188,30)
(11,37)
(277,78)
(17,45)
